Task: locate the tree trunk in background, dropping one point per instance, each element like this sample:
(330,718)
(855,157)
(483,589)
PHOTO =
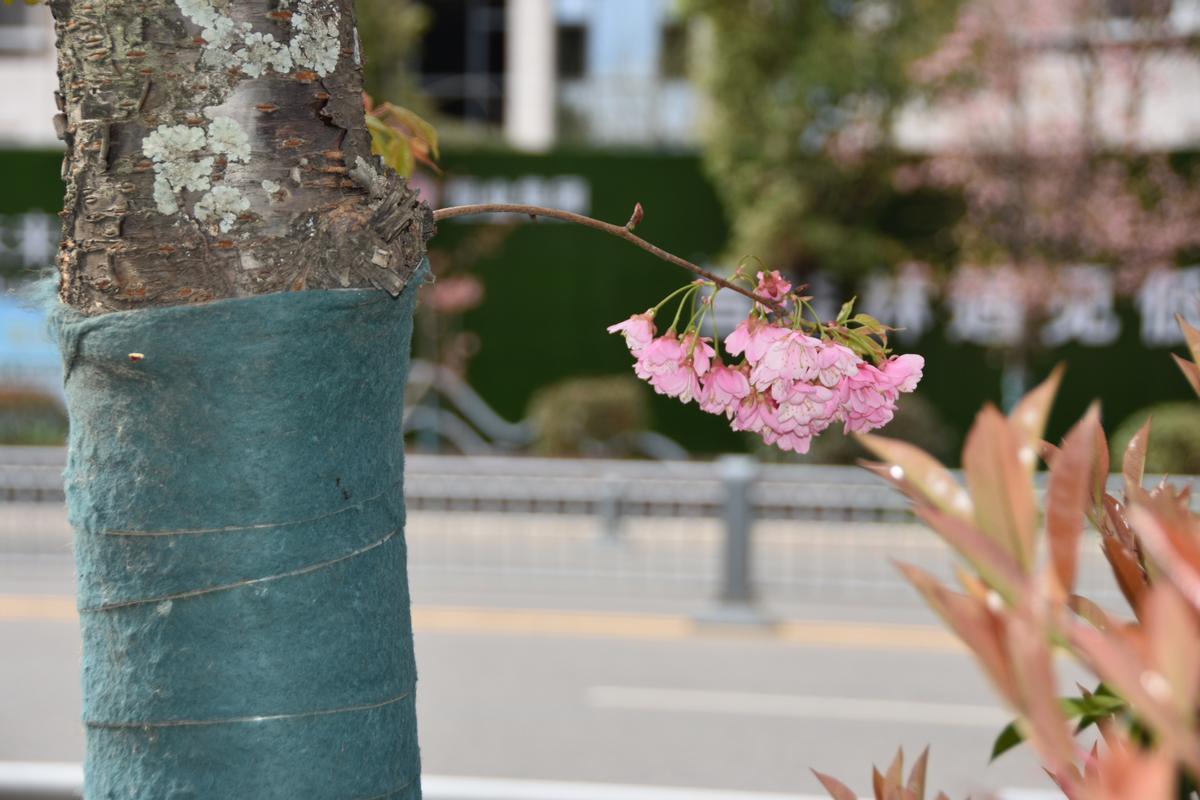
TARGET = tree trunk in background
(235,469)
(218,149)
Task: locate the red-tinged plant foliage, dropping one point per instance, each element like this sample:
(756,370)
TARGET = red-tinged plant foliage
(890,785)
(1017,604)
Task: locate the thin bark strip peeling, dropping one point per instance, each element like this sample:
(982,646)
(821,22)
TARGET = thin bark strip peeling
(218,149)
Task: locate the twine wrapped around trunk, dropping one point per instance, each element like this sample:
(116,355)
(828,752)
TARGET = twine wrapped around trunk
(235,484)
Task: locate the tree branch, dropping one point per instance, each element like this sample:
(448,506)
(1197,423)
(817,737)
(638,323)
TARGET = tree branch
(621,232)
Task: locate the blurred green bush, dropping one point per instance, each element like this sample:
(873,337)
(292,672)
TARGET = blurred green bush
(29,417)
(1174,438)
(592,416)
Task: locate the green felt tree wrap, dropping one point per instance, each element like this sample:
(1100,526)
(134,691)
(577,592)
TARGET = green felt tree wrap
(235,484)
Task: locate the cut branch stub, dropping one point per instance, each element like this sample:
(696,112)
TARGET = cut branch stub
(219,149)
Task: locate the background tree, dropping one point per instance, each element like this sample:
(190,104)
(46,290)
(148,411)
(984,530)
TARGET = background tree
(391,32)
(1045,133)
(802,98)
(1038,115)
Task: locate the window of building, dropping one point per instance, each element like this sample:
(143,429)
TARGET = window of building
(19,29)
(1138,9)
(572,51)
(673,53)
(462,59)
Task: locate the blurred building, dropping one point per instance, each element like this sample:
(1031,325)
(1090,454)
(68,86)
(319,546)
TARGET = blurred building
(27,73)
(28,359)
(614,73)
(1057,82)
(548,71)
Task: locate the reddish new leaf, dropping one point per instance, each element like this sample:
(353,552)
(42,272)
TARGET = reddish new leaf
(837,790)
(1100,469)
(1191,334)
(994,563)
(919,475)
(1170,625)
(894,779)
(979,628)
(1091,612)
(1033,665)
(1030,415)
(1116,656)
(1133,465)
(879,784)
(996,462)
(1067,498)
(1130,577)
(1171,536)
(1190,371)
(916,778)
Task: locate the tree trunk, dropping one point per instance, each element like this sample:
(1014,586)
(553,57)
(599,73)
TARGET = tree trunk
(218,149)
(236,449)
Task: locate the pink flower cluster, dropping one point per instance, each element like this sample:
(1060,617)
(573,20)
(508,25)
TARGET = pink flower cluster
(788,388)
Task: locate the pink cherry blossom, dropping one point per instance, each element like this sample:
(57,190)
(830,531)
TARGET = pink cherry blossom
(789,387)
(755,413)
(638,331)
(661,355)
(681,382)
(723,389)
(868,400)
(809,409)
(674,367)
(793,442)
(772,284)
(833,363)
(700,350)
(792,357)
(904,371)
(752,337)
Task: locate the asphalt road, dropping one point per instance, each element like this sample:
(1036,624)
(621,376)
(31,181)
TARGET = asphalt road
(616,690)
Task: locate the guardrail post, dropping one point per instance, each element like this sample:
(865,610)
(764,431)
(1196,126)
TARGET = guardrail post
(736,602)
(609,507)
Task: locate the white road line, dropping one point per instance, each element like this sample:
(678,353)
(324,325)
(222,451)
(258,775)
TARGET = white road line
(63,781)
(438,787)
(855,709)
(442,787)
(51,780)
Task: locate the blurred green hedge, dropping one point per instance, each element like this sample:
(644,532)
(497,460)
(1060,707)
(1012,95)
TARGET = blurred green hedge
(29,417)
(551,289)
(1174,438)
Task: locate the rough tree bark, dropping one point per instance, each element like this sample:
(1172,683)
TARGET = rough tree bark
(218,149)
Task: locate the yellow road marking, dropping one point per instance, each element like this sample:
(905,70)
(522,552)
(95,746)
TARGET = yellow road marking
(546,622)
(39,608)
(447,619)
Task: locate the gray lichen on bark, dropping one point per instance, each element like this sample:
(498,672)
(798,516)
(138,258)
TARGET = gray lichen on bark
(254,142)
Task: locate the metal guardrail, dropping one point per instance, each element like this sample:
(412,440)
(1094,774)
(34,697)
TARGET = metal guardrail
(731,530)
(649,528)
(509,484)
(516,484)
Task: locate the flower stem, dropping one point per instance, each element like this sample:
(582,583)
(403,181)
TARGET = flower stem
(816,318)
(621,232)
(716,334)
(667,299)
(691,289)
